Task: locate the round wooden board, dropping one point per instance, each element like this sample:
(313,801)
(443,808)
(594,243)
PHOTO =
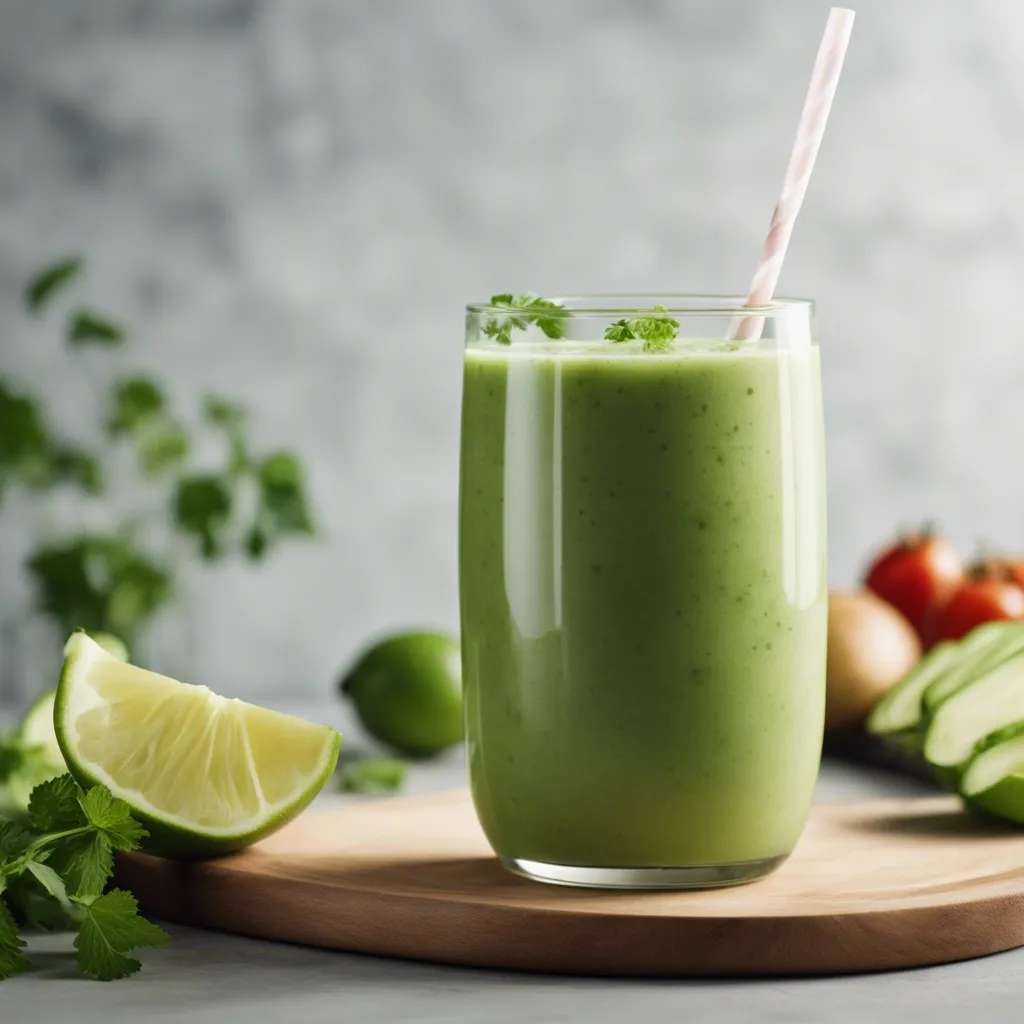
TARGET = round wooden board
(872,886)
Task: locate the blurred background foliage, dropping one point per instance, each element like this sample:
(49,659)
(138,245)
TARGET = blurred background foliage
(116,580)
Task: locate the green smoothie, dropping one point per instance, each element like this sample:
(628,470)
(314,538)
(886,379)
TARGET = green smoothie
(643,593)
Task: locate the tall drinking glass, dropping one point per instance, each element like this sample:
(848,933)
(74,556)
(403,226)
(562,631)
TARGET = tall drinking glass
(643,589)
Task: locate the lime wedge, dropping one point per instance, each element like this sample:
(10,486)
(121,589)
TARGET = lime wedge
(204,774)
(40,759)
(36,727)
(111,644)
(37,730)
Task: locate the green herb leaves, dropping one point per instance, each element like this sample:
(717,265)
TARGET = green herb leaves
(30,456)
(230,418)
(656,329)
(111,928)
(49,281)
(24,443)
(281,509)
(84,326)
(12,960)
(109,581)
(139,411)
(656,332)
(89,328)
(202,507)
(53,875)
(54,807)
(523,310)
(136,401)
(99,583)
(373,775)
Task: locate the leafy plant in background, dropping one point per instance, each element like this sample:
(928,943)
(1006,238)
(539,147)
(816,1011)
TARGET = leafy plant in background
(116,580)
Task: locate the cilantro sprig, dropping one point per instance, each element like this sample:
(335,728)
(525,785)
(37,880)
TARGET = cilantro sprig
(656,332)
(373,775)
(523,310)
(54,872)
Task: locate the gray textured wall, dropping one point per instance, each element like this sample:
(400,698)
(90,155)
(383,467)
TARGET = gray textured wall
(293,200)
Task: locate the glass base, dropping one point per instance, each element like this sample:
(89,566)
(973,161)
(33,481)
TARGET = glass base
(702,876)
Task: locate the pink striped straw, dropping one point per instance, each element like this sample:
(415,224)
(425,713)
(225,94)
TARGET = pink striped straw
(820,92)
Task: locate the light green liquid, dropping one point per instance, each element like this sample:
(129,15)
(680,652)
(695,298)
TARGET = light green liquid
(642,573)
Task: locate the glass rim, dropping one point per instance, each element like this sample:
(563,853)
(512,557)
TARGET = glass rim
(629,303)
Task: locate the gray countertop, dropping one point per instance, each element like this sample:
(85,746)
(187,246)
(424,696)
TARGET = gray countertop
(206,977)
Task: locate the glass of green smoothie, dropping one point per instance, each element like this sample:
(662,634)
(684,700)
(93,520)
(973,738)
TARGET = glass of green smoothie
(642,585)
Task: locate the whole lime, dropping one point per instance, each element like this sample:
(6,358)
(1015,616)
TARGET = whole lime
(407,691)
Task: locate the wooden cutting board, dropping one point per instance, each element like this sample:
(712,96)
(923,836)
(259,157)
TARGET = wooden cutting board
(872,886)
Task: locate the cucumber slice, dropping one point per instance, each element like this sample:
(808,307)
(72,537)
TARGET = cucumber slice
(899,711)
(910,742)
(981,651)
(974,712)
(994,779)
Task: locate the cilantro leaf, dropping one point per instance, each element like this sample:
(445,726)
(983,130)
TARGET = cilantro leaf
(656,332)
(619,331)
(113,818)
(54,805)
(99,582)
(12,961)
(231,418)
(161,449)
(283,507)
(523,310)
(202,506)
(224,413)
(89,328)
(76,466)
(35,910)
(85,863)
(45,285)
(136,400)
(14,841)
(112,928)
(501,330)
(55,880)
(373,775)
(24,439)
(51,882)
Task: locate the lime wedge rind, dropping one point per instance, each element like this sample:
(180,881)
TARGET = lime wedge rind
(37,729)
(183,757)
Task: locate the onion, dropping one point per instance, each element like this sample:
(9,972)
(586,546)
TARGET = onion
(870,647)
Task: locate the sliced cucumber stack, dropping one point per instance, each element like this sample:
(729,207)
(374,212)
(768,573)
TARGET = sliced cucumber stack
(900,711)
(994,779)
(949,666)
(975,712)
(982,650)
(962,709)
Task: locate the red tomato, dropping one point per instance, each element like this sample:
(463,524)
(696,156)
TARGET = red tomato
(916,575)
(987,594)
(1015,566)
